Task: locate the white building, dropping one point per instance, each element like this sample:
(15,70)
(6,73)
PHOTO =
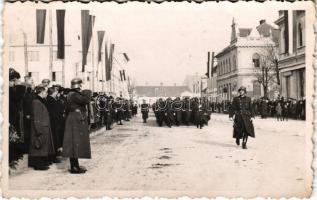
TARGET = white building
(40,60)
(238,62)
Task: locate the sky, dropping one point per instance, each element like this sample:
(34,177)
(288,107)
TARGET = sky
(165,42)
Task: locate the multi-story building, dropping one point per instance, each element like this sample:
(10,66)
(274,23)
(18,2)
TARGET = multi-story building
(292,53)
(238,62)
(194,84)
(152,93)
(212,85)
(40,60)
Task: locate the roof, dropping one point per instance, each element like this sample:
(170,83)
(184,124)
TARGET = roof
(244,32)
(160,91)
(264,29)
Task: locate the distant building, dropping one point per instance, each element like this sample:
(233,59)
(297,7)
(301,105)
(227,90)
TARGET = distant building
(239,60)
(193,83)
(211,92)
(152,93)
(292,53)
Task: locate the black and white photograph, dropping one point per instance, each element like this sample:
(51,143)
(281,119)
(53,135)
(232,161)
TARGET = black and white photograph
(150,99)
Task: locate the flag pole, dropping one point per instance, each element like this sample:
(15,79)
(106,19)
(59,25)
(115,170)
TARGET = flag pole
(92,54)
(26,66)
(50,46)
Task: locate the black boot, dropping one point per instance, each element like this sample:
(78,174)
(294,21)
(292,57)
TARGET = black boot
(244,145)
(237,141)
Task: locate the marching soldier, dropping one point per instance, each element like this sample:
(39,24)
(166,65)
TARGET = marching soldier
(177,107)
(76,139)
(242,112)
(145,111)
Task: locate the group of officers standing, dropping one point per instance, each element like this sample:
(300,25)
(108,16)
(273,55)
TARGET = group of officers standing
(50,122)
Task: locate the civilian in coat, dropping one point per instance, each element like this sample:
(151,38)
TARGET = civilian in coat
(56,112)
(242,112)
(27,111)
(76,137)
(42,145)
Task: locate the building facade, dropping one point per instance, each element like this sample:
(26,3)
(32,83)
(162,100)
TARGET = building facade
(40,60)
(292,53)
(241,59)
(152,93)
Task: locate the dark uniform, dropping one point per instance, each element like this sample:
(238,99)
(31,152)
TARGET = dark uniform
(76,142)
(177,108)
(242,111)
(145,111)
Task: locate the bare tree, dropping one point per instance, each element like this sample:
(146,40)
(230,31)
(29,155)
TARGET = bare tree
(266,68)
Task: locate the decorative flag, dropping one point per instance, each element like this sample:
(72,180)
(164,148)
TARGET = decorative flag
(212,63)
(107,63)
(40,25)
(123,74)
(120,75)
(286,31)
(100,35)
(126,57)
(60,19)
(86,33)
(111,55)
(208,64)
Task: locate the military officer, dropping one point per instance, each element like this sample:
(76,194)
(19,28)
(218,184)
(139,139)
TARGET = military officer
(76,142)
(145,110)
(242,111)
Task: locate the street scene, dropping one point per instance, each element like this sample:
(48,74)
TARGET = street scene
(184,159)
(192,99)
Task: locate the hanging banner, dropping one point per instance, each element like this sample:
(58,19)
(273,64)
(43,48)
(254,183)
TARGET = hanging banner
(40,25)
(123,74)
(100,35)
(86,33)
(60,19)
(120,75)
(107,63)
(111,56)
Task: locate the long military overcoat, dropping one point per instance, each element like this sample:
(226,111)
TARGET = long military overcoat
(76,137)
(242,111)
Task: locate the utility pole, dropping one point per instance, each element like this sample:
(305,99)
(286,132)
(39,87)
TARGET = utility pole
(92,59)
(50,46)
(26,59)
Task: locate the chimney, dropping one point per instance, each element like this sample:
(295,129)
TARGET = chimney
(262,21)
(161,83)
(146,83)
(174,84)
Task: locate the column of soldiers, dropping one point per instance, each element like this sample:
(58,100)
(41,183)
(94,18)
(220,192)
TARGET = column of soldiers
(50,122)
(186,111)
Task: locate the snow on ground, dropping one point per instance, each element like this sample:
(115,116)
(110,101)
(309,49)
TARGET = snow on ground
(138,156)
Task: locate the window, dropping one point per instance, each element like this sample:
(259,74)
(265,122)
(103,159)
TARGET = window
(229,65)
(11,56)
(256,60)
(53,76)
(234,64)
(35,77)
(57,76)
(300,35)
(33,56)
